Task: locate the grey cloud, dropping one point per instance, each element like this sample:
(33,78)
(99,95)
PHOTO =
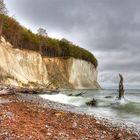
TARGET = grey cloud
(108,28)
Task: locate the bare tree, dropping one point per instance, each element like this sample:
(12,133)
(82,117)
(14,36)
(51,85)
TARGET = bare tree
(3,9)
(42,33)
(1,24)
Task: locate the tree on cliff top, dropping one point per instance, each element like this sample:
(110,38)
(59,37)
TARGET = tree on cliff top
(3,9)
(42,33)
(23,38)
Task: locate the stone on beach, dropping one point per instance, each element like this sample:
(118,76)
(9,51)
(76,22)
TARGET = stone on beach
(93,102)
(26,117)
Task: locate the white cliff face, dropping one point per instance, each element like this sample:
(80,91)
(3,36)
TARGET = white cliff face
(22,67)
(83,75)
(19,66)
(75,73)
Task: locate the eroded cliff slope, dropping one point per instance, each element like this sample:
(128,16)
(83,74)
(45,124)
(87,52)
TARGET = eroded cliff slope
(29,68)
(74,73)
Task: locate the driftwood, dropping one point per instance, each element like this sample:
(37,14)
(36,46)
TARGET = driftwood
(8,90)
(108,97)
(70,94)
(36,91)
(28,91)
(121,87)
(80,94)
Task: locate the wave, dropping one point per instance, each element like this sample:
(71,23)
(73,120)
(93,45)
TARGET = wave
(125,109)
(71,100)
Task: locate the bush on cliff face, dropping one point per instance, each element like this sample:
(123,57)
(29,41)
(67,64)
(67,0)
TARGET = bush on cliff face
(23,38)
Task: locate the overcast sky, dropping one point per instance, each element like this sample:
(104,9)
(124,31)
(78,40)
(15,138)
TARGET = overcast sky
(110,29)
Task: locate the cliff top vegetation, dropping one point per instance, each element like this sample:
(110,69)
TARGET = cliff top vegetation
(23,38)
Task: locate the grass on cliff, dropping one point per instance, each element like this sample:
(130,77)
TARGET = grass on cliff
(22,38)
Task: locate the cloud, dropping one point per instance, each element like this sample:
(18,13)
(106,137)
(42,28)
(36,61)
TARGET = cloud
(108,28)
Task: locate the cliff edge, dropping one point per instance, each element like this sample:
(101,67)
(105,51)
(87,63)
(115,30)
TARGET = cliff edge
(28,68)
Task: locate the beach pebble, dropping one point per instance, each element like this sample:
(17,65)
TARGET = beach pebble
(74,125)
(102,137)
(49,134)
(9,114)
(104,132)
(119,135)
(97,122)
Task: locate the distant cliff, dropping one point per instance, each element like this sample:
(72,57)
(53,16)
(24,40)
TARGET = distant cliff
(29,68)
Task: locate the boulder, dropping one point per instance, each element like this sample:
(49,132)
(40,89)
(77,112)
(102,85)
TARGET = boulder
(93,102)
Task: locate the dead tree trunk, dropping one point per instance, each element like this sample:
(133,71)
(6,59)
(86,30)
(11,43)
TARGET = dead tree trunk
(1,24)
(121,87)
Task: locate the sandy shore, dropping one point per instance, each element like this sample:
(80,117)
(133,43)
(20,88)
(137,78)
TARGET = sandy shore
(28,117)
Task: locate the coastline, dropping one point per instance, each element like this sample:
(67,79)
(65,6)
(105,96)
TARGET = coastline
(31,117)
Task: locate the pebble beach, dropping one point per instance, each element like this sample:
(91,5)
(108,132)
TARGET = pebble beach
(30,117)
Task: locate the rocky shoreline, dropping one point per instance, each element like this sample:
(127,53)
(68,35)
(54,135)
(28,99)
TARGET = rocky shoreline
(24,116)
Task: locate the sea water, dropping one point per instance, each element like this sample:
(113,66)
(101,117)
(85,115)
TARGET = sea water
(127,109)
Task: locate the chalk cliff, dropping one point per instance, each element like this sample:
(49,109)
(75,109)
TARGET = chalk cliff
(74,73)
(29,68)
